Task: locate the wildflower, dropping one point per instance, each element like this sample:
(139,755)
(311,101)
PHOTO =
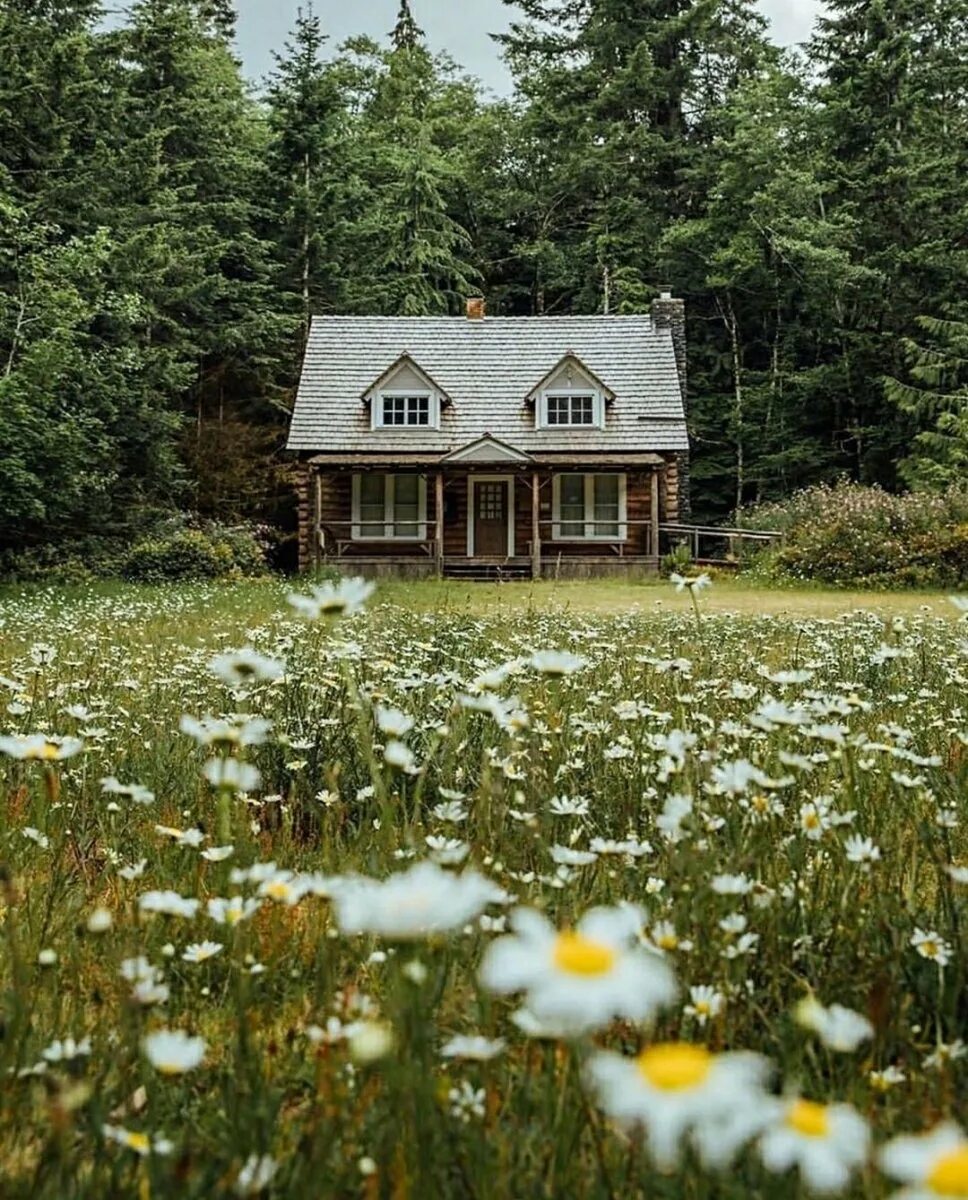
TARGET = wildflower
(134,791)
(674,812)
(567,857)
(478,1048)
(35,836)
(827,1142)
(211,731)
(169,903)
(172,1052)
(182,837)
(731,885)
(237,667)
(932,1165)
(329,599)
(100,920)
(677,1090)
(401,757)
(135,871)
(217,853)
(584,977)
(556,663)
(229,774)
(142,1144)
(694,583)
(883,1081)
(46,957)
(839,1028)
(38,747)
(201,951)
(420,902)
(256,1175)
(944,1053)
(861,850)
(393,722)
(370,1041)
(67,1050)
(466,1102)
(704,1002)
(931,946)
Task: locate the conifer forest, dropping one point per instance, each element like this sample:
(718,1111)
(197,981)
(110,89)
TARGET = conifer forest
(168,226)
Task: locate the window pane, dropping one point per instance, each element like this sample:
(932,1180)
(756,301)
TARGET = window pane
(606,506)
(406,506)
(372,505)
(582,410)
(572,506)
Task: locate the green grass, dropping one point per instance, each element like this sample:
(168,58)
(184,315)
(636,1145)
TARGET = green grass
(855,725)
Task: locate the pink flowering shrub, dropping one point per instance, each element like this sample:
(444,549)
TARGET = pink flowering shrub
(850,535)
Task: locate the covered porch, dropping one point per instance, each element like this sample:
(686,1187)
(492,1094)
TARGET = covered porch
(497,515)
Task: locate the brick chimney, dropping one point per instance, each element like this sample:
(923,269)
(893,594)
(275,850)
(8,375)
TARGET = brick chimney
(670,313)
(476,308)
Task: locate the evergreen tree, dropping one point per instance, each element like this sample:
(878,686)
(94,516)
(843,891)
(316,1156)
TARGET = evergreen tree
(937,397)
(307,168)
(406,35)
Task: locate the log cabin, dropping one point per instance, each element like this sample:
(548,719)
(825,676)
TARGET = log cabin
(485,447)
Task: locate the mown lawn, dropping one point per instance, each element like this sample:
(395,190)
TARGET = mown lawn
(306,906)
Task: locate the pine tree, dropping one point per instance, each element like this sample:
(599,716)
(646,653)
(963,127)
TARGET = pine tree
(406,35)
(307,168)
(409,249)
(937,398)
(895,132)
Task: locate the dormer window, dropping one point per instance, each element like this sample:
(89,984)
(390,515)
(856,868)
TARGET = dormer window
(570,396)
(563,408)
(405,408)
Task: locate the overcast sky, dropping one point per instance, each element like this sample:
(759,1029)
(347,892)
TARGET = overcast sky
(460,27)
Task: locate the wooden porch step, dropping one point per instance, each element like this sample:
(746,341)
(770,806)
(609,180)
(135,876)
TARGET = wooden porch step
(479,571)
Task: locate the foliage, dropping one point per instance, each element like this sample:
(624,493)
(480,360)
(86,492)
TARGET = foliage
(851,535)
(208,553)
(322,1057)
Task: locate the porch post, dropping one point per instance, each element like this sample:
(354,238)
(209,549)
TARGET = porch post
(535,525)
(317,518)
(654,514)
(439,516)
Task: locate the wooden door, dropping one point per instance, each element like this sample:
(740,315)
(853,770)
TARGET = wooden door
(491,518)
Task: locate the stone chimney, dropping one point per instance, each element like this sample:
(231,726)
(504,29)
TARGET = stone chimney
(476,308)
(669,313)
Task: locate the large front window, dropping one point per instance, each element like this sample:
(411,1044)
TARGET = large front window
(398,408)
(389,507)
(589,507)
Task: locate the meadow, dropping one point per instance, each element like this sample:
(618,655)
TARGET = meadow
(559,891)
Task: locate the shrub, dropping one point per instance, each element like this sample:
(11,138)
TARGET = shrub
(212,552)
(850,535)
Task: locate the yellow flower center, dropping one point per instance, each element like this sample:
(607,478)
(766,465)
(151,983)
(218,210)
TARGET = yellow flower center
(278,890)
(581,956)
(138,1142)
(810,820)
(929,949)
(950,1174)
(675,1066)
(667,941)
(808,1118)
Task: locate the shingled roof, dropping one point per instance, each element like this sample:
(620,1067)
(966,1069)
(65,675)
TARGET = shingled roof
(488,368)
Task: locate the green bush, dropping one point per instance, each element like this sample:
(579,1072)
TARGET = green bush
(214,552)
(848,535)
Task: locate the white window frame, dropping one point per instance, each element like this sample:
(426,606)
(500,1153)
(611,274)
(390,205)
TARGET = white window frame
(598,407)
(389,506)
(589,522)
(433,408)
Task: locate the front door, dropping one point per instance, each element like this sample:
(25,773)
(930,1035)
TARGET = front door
(491,517)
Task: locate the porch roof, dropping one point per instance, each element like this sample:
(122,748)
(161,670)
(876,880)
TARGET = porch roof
(631,460)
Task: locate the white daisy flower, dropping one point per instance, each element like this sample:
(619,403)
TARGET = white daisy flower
(556,663)
(417,903)
(933,1166)
(172,1052)
(333,599)
(479,1049)
(580,978)
(677,1090)
(931,946)
(200,951)
(839,1028)
(826,1142)
(169,903)
(243,666)
(142,1144)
